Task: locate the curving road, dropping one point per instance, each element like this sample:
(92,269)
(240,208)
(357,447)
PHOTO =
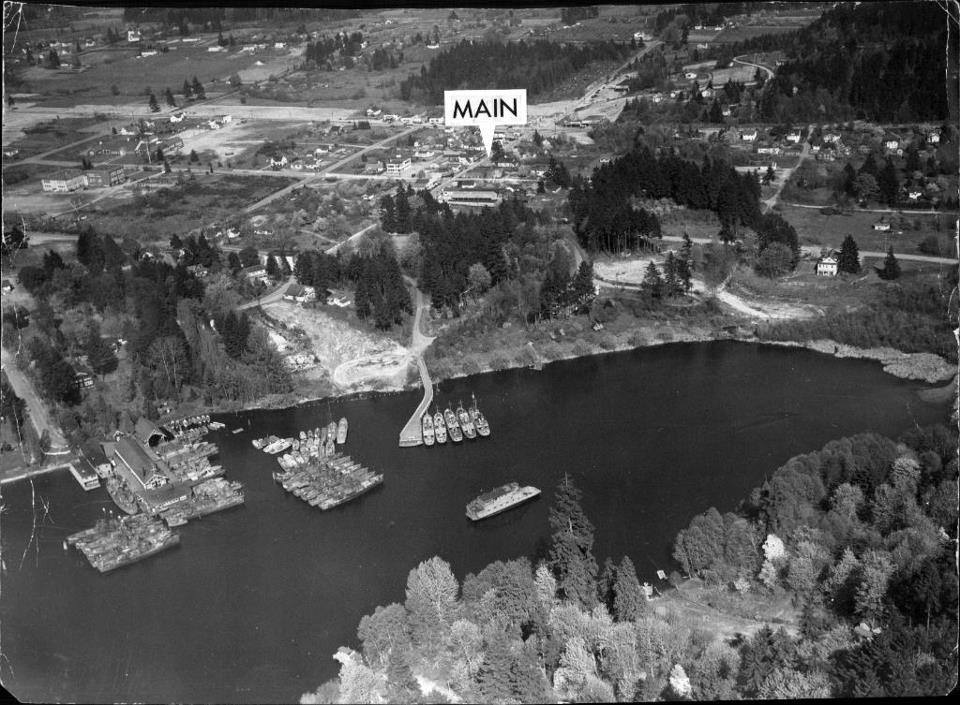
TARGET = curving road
(768,70)
(272,297)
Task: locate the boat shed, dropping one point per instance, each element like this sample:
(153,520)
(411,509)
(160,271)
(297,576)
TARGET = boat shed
(147,432)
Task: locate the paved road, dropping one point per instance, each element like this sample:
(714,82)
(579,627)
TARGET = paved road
(272,297)
(39,414)
(333,167)
(814,250)
(353,238)
(876,210)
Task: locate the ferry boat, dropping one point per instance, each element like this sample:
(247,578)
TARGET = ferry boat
(479,420)
(499,500)
(465,422)
(452,428)
(429,437)
(342,431)
(86,477)
(439,428)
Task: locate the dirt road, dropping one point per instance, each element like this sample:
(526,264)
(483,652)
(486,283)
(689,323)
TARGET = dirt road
(275,295)
(39,414)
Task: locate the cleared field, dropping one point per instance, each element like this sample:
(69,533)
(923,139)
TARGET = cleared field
(736,72)
(132,77)
(739,34)
(815,228)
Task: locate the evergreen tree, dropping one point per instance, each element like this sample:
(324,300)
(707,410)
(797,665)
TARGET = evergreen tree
(198,89)
(891,268)
(652,284)
(100,356)
(154,106)
(849,258)
(187,90)
(671,284)
(571,552)
(888,183)
(168,95)
(273,271)
(629,601)
(493,679)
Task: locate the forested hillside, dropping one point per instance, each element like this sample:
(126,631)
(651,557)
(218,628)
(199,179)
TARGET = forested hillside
(859,535)
(876,61)
(537,66)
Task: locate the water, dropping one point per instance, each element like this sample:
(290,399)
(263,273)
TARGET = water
(254,602)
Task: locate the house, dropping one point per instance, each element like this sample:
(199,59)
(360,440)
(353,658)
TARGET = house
(82,380)
(891,144)
(255,273)
(374,113)
(831,137)
(914,195)
(769,150)
(793,137)
(828,265)
(299,293)
(933,137)
(176,118)
(881,225)
(642,36)
(111,176)
(690,75)
(133,35)
(65,180)
(7,286)
(397,167)
(278,162)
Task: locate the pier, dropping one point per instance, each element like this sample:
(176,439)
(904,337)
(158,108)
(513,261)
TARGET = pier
(412,433)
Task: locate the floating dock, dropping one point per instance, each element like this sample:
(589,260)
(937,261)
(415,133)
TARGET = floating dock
(412,433)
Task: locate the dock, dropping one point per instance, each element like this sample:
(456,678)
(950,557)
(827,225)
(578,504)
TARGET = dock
(412,433)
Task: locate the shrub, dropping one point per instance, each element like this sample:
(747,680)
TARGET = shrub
(499,362)
(471,366)
(582,347)
(608,342)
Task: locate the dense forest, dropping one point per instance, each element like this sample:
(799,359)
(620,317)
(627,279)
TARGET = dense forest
(606,219)
(859,535)
(876,61)
(182,338)
(537,66)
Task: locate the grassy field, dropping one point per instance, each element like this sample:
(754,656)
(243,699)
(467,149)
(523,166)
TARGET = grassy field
(739,34)
(815,228)
(199,202)
(51,134)
(119,67)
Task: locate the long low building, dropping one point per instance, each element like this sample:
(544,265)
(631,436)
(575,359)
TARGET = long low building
(469,197)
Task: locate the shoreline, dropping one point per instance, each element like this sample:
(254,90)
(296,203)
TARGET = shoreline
(923,367)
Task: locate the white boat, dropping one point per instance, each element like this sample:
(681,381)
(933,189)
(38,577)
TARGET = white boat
(499,500)
(429,437)
(277,446)
(439,428)
(342,431)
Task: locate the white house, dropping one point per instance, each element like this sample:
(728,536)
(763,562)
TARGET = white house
(278,162)
(914,195)
(299,293)
(827,266)
(881,225)
(793,137)
(133,35)
(690,75)
(831,137)
(891,144)
(933,137)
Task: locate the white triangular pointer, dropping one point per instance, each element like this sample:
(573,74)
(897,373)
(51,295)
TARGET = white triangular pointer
(486,132)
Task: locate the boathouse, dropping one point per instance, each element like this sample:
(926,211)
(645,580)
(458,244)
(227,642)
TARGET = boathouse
(147,432)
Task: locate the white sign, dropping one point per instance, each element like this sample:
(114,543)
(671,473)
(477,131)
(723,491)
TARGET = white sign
(485,109)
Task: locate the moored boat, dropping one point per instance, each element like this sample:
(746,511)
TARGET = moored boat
(452,428)
(465,422)
(439,428)
(429,437)
(479,420)
(342,428)
(332,431)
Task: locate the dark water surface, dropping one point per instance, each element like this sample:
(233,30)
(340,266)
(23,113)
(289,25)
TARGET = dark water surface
(253,603)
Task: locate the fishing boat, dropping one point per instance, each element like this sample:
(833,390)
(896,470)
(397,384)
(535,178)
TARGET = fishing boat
(465,422)
(331,446)
(303,435)
(342,428)
(479,420)
(429,437)
(439,428)
(452,428)
(332,431)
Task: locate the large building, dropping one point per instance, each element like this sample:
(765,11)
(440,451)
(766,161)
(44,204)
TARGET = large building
(107,176)
(65,181)
(398,167)
(469,197)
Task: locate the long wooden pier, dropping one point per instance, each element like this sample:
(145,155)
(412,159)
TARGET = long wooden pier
(412,433)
